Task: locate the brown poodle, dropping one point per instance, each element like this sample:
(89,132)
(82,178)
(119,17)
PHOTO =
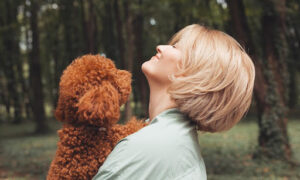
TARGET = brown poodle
(90,95)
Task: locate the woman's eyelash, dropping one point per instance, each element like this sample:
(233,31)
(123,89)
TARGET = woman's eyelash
(173,46)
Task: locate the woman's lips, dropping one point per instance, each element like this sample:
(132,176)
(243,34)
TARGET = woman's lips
(156,55)
(154,58)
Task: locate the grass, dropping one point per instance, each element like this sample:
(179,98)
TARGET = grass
(227,155)
(24,155)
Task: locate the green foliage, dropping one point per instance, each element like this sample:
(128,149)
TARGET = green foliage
(63,32)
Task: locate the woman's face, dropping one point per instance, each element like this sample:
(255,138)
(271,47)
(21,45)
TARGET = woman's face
(163,64)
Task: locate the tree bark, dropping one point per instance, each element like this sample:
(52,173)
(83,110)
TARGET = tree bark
(129,50)
(73,42)
(108,35)
(35,73)
(273,137)
(293,36)
(89,26)
(268,91)
(142,95)
(26,88)
(57,73)
(120,38)
(10,55)
(4,100)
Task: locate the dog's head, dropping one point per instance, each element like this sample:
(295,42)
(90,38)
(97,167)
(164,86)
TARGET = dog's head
(91,91)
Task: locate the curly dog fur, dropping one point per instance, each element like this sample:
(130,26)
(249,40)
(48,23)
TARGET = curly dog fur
(90,95)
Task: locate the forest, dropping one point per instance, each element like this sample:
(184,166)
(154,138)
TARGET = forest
(39,39)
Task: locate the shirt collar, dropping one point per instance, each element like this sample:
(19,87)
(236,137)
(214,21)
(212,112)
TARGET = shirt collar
(168,112)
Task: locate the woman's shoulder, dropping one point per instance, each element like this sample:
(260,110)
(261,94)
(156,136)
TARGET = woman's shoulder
(163,138)
(163,130)
(162,155)
(159,146)
(156,134)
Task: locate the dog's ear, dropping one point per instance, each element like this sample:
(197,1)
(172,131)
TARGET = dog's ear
(59,114)
(123,81)
(64,111)
(99,106)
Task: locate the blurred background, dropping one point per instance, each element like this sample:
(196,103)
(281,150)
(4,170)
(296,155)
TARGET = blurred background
(38,39)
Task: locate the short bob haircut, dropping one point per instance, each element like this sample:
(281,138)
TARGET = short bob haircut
(215,80)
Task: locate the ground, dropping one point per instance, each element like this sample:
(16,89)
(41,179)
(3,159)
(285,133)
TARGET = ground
(227,155)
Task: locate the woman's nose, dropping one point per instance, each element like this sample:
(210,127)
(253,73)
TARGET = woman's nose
(159,48)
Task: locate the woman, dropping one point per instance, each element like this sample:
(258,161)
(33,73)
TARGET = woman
(202,80)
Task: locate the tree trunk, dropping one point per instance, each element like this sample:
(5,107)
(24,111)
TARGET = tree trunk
(10,55)
(120,38)
(4,94)
(273,138)
(293,35)
(73,42)
(27,101)
(129,50)
(37,98)
(57,73)
(141,86)
(108,40)
(89,26)
(66,15)
(268,91)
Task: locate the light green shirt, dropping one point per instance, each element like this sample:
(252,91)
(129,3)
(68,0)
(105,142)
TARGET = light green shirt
(166,149)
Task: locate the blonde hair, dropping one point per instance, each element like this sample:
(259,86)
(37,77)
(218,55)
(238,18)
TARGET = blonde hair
(215,80)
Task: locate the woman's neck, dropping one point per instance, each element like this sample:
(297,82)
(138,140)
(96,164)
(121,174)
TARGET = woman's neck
(160,100)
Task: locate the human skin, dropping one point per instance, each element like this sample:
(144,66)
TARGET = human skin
(157,71)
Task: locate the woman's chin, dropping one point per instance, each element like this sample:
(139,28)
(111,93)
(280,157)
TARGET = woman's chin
(146,67)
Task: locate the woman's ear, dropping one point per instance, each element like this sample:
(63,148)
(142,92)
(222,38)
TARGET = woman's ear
(123,81)
(99,106)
